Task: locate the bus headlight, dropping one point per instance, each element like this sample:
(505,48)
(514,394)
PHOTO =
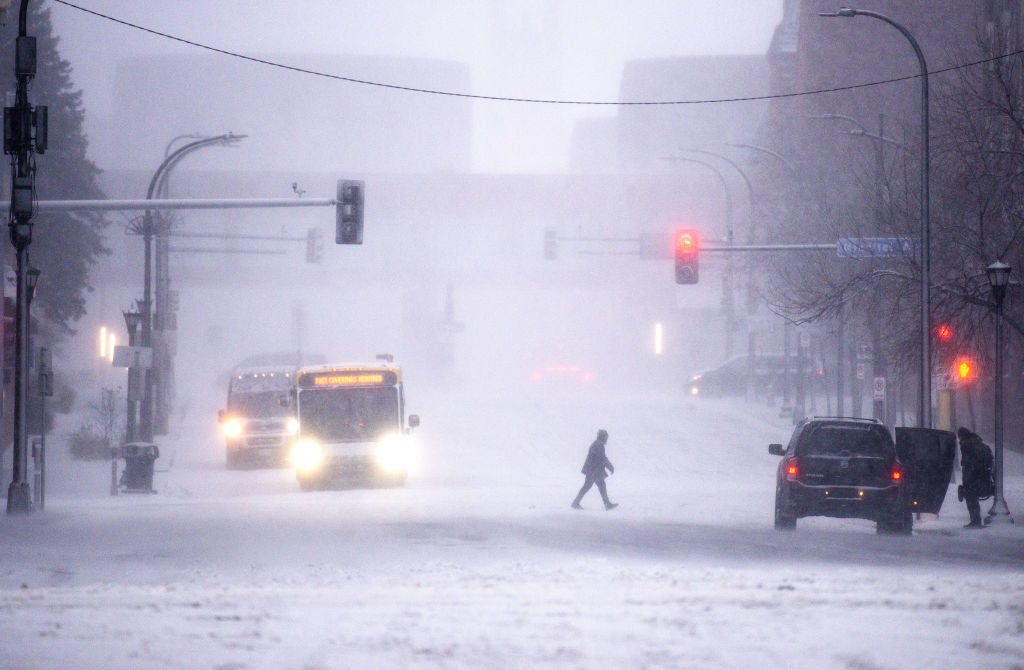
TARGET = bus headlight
(292,426)
(232,427)
(394,453)
(307,455)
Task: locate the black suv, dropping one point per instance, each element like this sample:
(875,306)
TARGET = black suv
(842,467)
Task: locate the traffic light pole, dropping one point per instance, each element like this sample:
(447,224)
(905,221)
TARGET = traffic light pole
(24,134)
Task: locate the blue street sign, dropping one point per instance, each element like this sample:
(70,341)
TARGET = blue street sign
(876,247)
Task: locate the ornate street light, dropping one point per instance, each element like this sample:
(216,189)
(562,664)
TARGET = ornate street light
(998,278)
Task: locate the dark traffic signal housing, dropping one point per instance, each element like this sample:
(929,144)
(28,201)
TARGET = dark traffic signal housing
(349,212)
(314,245)
(687,254)
(550,244)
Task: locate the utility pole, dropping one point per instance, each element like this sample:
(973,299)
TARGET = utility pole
(24,134)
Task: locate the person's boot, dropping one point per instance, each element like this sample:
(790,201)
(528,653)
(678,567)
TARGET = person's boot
(610,505)
(576,504)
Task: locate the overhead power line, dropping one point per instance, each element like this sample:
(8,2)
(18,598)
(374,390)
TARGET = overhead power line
(543,101)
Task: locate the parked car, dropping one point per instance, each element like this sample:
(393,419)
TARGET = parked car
(848,468)
(763,374)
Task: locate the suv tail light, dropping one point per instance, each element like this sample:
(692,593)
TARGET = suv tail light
(792,469)
(897,472)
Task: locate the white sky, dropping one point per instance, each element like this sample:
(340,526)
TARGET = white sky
(571,49)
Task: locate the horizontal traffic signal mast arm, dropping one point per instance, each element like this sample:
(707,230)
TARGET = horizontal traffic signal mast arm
(770,247)
(175,203)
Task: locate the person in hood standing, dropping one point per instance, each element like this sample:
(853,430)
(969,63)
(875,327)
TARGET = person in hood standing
(594,469)
(976,465)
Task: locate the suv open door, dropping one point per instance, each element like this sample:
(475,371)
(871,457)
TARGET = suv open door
(927,454)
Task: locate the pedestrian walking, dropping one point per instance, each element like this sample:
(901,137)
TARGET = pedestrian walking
(596,468)
(976,466)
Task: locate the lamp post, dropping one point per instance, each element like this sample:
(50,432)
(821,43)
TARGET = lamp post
(998,278)
(148,230)
(131,322)
(924,419)
(878,141)
(728,302)
(751,287)
(787,383)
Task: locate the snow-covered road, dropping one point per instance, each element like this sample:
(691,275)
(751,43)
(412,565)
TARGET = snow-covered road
(480,562)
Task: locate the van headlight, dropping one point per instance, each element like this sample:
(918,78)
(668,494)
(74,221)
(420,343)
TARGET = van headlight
(232,427)
(307,455)
(394,453)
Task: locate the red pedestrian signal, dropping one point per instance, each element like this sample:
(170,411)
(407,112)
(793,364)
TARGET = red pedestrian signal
(964,370)
(687,255)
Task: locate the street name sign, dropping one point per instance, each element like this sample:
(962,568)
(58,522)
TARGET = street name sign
(876,247)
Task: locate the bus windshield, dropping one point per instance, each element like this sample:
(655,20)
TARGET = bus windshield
(348,414)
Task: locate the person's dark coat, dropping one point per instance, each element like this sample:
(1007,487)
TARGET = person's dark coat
(976,465)
(597,462)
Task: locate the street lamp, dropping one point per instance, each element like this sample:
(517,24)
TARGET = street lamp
(998,278)
(787,325)
(727,292)
(149,229)
(131,322)
(924,419)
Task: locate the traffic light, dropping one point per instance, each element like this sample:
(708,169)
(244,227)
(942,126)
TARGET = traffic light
(349,212)
(944,333)
(550,244)
(314,245)
(687,254)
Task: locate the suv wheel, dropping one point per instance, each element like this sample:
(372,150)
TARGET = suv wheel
(783,521)
(900,524)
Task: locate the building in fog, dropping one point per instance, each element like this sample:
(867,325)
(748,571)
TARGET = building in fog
(650,133)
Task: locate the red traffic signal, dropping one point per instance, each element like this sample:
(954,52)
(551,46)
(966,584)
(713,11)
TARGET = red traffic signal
(944,332)
(687,254)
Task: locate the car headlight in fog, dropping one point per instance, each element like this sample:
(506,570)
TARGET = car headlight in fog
(292,426)
(307,455)
(394,452)
(232,427)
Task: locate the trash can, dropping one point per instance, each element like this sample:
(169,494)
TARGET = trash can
(138,466)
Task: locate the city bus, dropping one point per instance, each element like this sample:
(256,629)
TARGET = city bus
(351,425)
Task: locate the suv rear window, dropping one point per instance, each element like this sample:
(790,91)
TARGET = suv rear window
(831,440)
